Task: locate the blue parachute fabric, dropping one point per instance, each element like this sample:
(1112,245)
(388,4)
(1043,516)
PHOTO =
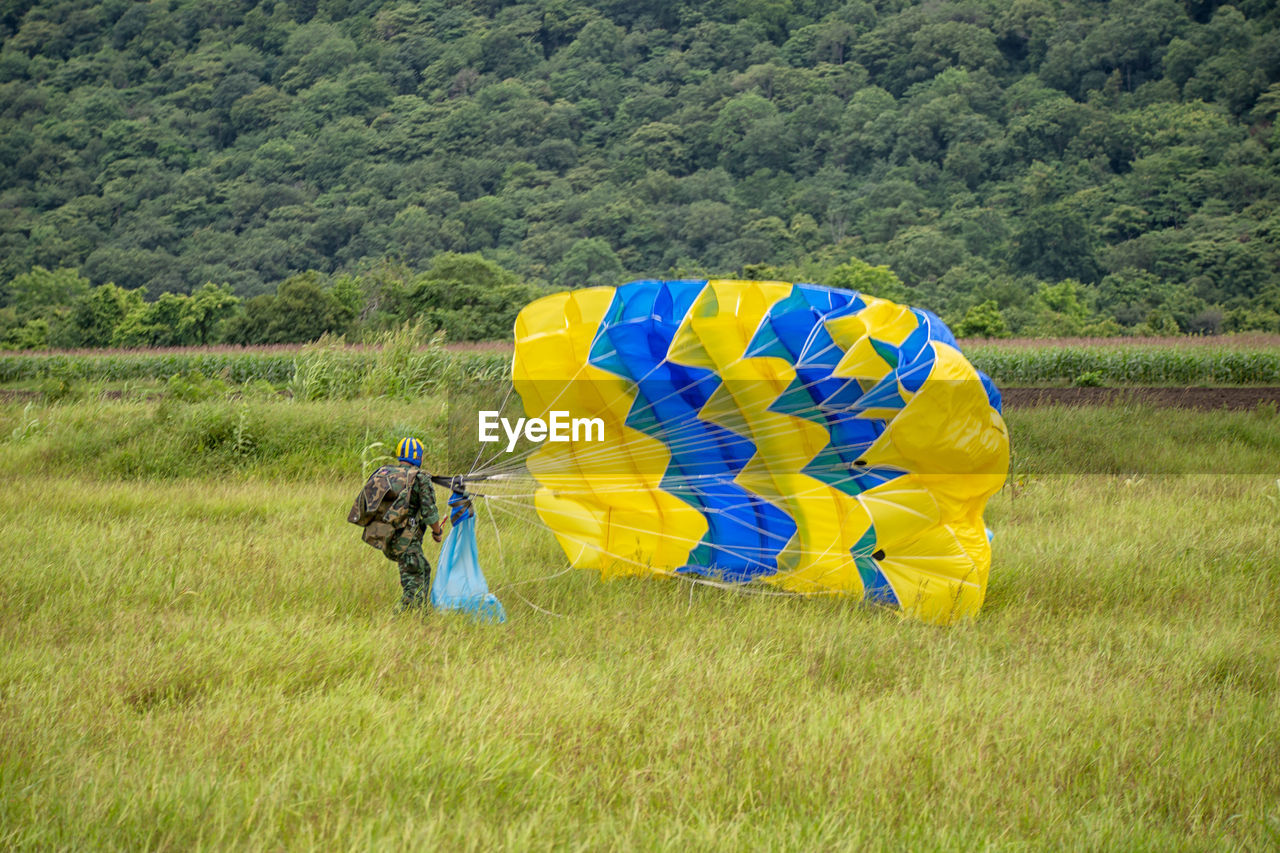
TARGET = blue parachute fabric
(938,330)
(745,532)
(874,582)
(993,393)
(458,583)
(794,329)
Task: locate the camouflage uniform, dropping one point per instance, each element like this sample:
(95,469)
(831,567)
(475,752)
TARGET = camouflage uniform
(405,548)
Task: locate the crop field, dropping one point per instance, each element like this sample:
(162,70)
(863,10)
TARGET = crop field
(198,651)
(1246,360)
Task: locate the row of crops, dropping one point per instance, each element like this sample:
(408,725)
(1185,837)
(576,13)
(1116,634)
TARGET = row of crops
(1095,365)
(277,368)
(1128,365)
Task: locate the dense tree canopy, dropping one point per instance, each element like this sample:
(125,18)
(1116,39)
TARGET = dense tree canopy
(291,168)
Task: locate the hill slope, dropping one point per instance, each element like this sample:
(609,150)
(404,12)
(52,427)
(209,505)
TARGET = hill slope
(984,150)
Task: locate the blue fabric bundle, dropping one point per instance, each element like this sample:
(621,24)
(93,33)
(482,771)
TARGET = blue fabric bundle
(458,583)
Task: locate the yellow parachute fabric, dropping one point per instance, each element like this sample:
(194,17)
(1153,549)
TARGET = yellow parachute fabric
(606,506)
(810,438)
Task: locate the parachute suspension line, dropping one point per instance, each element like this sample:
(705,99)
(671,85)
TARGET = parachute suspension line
(502,554)
(695,424)
(502,559)
(745,555)
(736,522)
(501,408)
(818,488)
(738,587)
(691,435)
(511,503)
(567,383)
(537,608)
(738,552)
(519,459)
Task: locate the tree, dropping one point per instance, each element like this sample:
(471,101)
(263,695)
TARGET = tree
(974,147)
(98,314)
(44,293)
(861,276)
(983,321)
(152,324)
(659,146)
(1055,243)
(589,262)
(471,270)
(204,310)
(1062,309)
(922,253)
(303,311)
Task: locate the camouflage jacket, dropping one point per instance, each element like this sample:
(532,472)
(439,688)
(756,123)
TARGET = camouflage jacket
(397,520)
(422,501)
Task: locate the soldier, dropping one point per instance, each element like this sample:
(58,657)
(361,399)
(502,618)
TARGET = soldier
(396,507)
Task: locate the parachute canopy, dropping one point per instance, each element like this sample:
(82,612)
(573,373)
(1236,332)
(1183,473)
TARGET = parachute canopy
(819,440)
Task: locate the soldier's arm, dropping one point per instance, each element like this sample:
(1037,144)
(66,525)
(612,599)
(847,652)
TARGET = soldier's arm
(428,514)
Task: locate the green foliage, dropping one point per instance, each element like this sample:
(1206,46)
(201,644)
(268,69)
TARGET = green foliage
(465,296)
(38,306)
(302,309)
(401,364)
(407,364)
(204,310)
(327,370)
(42,293)
(276,367)
(100,314)
(858,275)
(589,262)
(34,334)
(194,387)
(300,157)
(1063,310)
(983,321)
(29,425)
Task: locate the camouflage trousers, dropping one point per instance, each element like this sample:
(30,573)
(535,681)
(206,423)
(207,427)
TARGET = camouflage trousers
(415,573)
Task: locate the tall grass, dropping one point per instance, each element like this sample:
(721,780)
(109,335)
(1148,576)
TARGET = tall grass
(197,651)
(212,661)
(402,362)
(267,435)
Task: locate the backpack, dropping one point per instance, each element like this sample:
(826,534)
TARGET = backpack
(382,507)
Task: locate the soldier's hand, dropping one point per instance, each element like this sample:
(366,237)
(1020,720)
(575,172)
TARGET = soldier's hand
(436,534)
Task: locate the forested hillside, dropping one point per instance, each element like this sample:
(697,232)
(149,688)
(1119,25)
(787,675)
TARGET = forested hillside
(282,169)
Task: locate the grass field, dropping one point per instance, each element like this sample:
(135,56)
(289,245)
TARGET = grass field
(197,651)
